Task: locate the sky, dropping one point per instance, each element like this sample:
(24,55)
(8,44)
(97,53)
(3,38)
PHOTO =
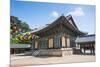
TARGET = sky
(37,14)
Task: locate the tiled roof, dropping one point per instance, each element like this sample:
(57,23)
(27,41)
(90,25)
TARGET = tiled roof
(86,38)
(42,27)
(71,21)
(53,23)
(20,46)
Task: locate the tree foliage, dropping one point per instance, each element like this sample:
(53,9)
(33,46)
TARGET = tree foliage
(17,27)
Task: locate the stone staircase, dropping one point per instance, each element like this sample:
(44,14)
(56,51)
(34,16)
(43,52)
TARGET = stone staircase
(35,53)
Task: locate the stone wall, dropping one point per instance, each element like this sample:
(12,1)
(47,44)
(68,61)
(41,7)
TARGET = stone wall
(50,52)
(67,51)
(54,52)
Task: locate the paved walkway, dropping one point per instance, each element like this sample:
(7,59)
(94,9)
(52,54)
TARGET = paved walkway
(18,58)
(17,61)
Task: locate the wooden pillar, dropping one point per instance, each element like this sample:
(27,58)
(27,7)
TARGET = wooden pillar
(91,48)
(84,47)
(23,50)
(15,51)
(18,50)
(12,51)
(78,45)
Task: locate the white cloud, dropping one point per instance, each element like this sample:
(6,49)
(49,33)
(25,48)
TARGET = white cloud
(77,12)
(55,14)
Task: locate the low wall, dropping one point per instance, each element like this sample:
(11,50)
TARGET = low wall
(50,52)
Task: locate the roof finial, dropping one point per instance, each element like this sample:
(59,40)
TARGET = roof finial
(62,14)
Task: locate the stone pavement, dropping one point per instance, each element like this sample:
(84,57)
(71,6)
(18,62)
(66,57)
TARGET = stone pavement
(17,61)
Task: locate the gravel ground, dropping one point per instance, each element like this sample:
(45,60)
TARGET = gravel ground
(18,61)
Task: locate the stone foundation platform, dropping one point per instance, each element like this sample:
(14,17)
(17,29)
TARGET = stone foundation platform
(53,52)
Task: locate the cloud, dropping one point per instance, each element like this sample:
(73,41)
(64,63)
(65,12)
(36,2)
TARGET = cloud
(77,12)
(55,14)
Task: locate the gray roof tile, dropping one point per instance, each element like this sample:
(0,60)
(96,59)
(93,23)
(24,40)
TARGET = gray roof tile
(86,38)
(20,46)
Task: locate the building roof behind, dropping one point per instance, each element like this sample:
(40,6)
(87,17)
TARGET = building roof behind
(20,46)
(86,38)
(71,21)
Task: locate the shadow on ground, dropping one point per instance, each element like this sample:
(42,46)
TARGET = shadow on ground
(85,54)
(46,56)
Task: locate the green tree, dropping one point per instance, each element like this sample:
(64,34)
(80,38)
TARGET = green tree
(25,27)
(17,27)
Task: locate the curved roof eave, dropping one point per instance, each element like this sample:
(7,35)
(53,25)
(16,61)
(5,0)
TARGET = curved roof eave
(66,22)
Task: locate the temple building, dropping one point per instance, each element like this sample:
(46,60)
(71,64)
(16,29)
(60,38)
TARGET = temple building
(86,42)
(19,48)
(57,38)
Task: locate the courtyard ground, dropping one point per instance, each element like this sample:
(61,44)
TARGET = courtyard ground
(19,61)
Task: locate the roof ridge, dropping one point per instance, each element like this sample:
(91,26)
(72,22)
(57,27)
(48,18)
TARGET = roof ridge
(88,35)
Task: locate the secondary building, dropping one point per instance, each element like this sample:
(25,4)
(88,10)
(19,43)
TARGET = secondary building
(86,42)
(19,48)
